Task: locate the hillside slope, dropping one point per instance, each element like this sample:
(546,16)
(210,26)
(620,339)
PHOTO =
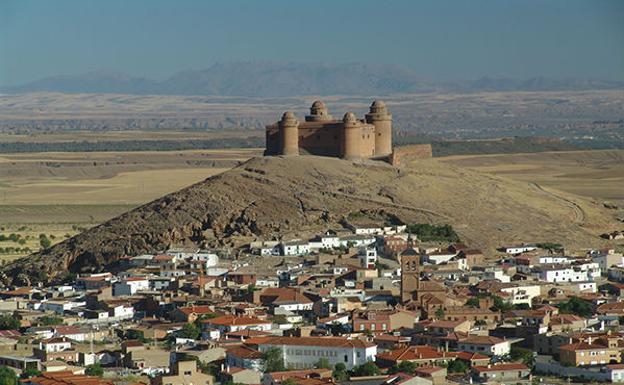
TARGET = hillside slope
(271,196)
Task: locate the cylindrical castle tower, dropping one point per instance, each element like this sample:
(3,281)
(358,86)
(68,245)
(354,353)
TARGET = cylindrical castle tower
(318,113)
(289,134)
(382,120)
(351,139)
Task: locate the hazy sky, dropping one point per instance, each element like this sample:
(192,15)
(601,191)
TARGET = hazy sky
(463,39)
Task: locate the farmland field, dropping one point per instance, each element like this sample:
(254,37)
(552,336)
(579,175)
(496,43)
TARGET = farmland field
(60,194)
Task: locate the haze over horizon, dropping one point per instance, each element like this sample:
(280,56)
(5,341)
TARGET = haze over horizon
(439,40)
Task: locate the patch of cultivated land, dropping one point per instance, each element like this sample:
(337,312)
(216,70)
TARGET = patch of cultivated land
(59,194)
(598,175)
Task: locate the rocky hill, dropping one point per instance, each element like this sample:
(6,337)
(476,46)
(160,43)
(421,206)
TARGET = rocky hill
(271,196)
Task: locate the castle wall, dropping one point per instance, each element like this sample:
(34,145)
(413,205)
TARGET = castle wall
(320,140)
(272,140)
(367,144)
(404,154)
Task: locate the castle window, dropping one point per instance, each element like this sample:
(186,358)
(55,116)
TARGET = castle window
(363,136)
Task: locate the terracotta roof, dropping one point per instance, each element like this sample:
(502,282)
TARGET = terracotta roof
(482,340)
(469,356)
(500,367)
(581,346)
(413,353)
(66,378)
(230,320)
(244,352)
(310,341)
(248,333)
(188,310)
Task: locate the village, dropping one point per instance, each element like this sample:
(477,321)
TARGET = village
(365,304)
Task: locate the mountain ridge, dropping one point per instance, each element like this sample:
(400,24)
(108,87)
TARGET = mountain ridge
(271,79)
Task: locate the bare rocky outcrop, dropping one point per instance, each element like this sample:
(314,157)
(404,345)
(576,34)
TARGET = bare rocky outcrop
(271,197)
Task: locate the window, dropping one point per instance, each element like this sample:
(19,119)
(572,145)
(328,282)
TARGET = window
(346,358)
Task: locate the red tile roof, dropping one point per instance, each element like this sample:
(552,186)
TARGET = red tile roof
(310,341)
(230,320)
(413,353)
(188,310)
(244,352)
(66,378)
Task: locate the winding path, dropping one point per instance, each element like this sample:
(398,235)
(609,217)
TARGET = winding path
(579,213)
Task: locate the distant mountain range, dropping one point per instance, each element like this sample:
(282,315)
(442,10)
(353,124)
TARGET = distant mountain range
(262,79)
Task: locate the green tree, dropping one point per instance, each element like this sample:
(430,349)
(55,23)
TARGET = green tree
(457,366)
(47,320)
(323,363)
(190,330)
(576,306)
(7,376)
(340,372)
(94,370)
(44,241)
(408,367)
(30,372)
(501,305)
(521,354)
(367,369)
(8,322)
(273,360)
(473,302)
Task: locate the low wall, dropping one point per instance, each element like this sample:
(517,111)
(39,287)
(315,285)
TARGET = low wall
(404,154)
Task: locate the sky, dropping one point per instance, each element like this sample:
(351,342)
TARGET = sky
(440,40)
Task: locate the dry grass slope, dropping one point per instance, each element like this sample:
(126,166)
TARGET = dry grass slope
(272,196)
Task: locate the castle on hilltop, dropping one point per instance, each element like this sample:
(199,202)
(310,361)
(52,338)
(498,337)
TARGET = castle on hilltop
(321,134)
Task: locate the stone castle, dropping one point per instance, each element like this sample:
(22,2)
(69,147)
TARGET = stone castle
(321,134)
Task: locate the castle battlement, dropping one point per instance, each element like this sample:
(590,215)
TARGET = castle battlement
(320,134)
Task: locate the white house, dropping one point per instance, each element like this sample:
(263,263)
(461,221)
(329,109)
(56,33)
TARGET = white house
(124,311)
(230,323)
(55,344)
(130,286)
(305,352)
(496,273)
(295,247)
(367,257)
(522,293)
(559,273)
(60,306)
(439,257)
(518,249)
(488,345)
(267,282)
(357,240)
